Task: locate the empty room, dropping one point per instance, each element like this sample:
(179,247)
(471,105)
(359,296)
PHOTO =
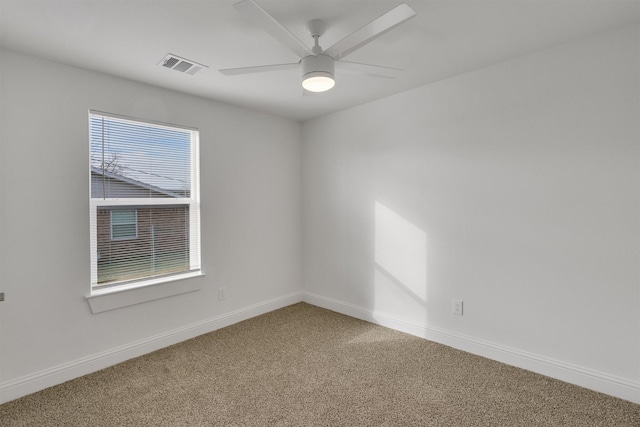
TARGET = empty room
(320,212)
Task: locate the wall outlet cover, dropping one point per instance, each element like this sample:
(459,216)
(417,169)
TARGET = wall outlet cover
(457,307)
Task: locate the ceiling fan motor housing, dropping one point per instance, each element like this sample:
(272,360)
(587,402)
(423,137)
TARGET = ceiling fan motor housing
(320,65)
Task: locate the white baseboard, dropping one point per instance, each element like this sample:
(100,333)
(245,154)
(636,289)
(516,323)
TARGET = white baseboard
(567,372)
(601,382)
(23,386)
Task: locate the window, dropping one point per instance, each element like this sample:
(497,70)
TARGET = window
(145,213)
(124,224)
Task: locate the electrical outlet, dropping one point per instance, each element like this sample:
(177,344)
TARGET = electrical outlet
(457,307)
(222,294)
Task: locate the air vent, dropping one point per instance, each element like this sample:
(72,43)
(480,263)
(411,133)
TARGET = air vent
(180,64)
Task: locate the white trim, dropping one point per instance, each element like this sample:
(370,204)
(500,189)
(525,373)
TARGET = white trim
(568,372)
(136,120)
(194,205)
(146,201)
(13,389)
(598,381)
(132,293)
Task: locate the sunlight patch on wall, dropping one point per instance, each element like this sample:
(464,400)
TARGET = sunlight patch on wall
(400,255)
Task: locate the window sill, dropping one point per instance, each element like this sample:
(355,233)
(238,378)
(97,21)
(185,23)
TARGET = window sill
(118,297)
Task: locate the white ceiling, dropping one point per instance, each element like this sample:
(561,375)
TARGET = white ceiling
(446,38)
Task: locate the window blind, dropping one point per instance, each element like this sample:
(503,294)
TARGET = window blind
(145,219)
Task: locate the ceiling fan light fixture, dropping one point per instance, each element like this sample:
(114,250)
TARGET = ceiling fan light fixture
(318,73)
(318,81)
(318,64)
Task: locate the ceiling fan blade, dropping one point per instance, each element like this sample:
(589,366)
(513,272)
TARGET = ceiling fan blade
(371,70)
(256,14)
(370,32)
(258,69)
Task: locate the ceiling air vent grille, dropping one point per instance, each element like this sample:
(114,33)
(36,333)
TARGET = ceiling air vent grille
(180,64)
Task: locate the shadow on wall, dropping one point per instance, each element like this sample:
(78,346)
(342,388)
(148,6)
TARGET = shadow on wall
(400,276)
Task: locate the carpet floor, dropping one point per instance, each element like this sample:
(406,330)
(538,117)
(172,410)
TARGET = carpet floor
(306,366)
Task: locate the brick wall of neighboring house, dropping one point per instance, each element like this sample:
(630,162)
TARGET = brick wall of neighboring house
(169,225)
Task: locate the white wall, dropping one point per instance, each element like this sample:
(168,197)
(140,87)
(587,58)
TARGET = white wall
(251,221)
(514,188)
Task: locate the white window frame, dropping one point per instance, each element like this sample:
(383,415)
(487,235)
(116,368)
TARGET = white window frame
(120,294)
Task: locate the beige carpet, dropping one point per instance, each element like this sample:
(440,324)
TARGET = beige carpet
(306,366)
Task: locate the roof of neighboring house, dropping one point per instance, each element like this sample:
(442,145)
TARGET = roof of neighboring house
(101,172)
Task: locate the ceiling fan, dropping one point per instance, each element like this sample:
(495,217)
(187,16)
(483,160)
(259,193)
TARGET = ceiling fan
(317,64)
